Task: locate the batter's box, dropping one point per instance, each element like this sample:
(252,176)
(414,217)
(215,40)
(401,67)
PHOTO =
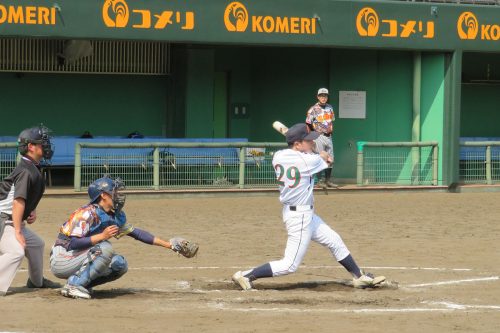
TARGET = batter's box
(320,286)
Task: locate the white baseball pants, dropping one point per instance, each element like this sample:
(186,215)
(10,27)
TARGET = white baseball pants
(302,227)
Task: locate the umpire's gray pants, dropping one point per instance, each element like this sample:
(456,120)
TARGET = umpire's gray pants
(12,254)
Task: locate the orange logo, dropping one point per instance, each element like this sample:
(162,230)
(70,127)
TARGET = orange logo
(115,13)
(467,26)
(236,17)
(367,22)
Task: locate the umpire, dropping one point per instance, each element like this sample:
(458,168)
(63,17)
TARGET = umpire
(320,118)
(20,194)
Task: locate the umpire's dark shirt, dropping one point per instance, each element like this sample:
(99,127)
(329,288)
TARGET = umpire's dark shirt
(25,182)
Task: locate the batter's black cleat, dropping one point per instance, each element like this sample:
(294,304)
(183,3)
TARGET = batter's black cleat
(45,284)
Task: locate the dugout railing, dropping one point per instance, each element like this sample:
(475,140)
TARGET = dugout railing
(189,165)
(397,163)
(480,162)
(8,158)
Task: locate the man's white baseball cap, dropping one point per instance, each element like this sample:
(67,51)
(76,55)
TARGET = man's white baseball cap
(322,91)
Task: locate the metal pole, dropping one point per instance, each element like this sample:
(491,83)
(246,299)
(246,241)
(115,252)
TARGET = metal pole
(359,172)
(488,165)
(435,167)
(156,168)
(78,168)
(242,168)
(417,86)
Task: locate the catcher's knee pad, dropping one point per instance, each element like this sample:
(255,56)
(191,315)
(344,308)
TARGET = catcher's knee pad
(103,249)
(119,264)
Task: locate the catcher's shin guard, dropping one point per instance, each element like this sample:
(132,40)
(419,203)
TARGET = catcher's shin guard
(118,267)
(99,260)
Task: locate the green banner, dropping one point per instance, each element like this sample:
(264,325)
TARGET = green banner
(373,24)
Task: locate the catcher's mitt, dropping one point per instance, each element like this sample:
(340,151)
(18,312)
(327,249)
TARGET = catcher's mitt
(183,246)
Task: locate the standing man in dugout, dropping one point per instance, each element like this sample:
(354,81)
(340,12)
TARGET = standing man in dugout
(20,194)
(320,118)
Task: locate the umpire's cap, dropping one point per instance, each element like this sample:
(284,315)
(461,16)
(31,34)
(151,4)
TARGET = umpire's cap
(299,132)
(36,135)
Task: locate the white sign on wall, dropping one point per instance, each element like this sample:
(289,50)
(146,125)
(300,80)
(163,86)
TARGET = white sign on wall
(352,104)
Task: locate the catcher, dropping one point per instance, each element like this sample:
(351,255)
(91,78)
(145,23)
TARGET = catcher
(82,252)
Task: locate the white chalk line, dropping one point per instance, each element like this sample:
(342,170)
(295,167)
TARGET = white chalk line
(441,283)
(448,307)
(173,268)
(451,305)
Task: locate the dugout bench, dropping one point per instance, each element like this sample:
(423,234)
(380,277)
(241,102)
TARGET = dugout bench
(137,159)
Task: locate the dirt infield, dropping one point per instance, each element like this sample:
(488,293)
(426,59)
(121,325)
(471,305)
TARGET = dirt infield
(442,248)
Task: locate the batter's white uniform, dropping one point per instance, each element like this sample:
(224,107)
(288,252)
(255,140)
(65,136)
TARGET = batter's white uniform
(295,174)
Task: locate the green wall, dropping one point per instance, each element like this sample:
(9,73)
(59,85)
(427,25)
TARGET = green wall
(480,119)
(236,63)
(387,79)
(417,25)
(70,104)
(432,102)
(200,93)
(480,95)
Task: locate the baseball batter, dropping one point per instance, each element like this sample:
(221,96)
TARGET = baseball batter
(295,168)
(20,193)
(320,118)
(82,252)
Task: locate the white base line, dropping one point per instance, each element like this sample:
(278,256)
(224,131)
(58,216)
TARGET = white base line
(288,310)
(492,278)
(449,307)
(402,268)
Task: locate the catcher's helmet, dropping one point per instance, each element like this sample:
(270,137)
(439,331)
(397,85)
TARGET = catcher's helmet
(36,135)
(111,187)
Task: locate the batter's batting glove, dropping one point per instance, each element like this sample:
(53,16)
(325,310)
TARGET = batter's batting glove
(183,246)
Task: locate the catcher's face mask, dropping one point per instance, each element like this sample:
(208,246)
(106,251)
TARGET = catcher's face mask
(118,196)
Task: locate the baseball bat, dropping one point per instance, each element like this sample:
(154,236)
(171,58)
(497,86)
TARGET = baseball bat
(280,127)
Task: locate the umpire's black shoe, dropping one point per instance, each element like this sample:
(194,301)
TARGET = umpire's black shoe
(45,284)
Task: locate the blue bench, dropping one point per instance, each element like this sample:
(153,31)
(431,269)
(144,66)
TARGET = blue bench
(66,155)
(478,153)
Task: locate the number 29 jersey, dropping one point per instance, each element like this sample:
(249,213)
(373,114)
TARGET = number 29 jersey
(295,175)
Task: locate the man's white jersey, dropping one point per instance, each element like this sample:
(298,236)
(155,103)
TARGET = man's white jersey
(295,174)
